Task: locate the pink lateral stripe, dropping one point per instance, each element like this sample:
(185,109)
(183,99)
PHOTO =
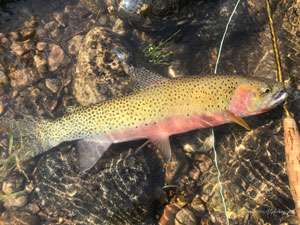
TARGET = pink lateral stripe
(167,127)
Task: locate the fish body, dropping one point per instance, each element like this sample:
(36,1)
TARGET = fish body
(162,108)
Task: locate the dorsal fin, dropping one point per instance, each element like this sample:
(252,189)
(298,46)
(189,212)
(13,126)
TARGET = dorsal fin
(142,78)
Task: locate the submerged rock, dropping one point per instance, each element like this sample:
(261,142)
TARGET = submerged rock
(120,190)
(99,68)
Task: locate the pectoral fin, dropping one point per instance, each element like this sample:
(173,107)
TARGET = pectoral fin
(164,146)
(237,120)
(90,151)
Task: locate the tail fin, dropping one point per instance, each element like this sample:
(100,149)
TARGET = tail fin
(24,139)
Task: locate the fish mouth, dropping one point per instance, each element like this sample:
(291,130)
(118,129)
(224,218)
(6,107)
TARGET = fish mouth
(276,98)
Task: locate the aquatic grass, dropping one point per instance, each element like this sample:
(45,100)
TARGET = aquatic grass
(6,162)
(13,159)
(4,197)
(155,53)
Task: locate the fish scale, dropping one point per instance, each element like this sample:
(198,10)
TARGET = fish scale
(159,108)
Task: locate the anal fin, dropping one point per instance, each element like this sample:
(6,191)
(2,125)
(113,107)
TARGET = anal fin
(164,146)
(90,151)
(237,120)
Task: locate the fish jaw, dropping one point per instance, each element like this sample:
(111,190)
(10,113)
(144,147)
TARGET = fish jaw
(275,99)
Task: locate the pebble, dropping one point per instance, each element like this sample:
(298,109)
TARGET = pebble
(40,63)
(1,107)
(74,44)
(119,27)
(61,18)
(17,201)
(18,48)
(56,57)
(34,208)
(198,205)
(14,35)
(3,80)
(41,33)
(27,32)
(52,85)
(103,20)
(194,173)
(13,183)
(3,39)
(28,45)
(51,26)
(58,33)
(185,217)
(32,22)
(205,163)
(20,217)
(19,78)
(41,46)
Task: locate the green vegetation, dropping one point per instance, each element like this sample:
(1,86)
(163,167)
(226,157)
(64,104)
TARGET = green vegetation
(7,163)
(12,160)
(155,53)
(3,197)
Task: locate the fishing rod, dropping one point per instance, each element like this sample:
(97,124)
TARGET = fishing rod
(291,133)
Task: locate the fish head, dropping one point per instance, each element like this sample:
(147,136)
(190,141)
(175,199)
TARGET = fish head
(256,95)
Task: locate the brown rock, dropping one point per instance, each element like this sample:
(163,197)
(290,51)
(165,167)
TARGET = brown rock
(52,85)
(74,44)
(19,200)
(119,27)
(18,48)
(27,32)
(40,62)
(56,57)
(198,205)
(41,46)
(22,77)
(18,218)
(13,183)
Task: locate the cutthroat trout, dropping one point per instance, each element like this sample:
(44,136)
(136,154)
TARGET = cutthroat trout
(160,108)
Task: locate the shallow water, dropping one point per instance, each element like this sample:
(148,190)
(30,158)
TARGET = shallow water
(39,64)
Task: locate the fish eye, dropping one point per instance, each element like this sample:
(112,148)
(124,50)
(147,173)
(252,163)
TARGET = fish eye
(266,89)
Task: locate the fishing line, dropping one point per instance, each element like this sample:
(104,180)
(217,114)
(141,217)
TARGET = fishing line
(214,147)
(225,32)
